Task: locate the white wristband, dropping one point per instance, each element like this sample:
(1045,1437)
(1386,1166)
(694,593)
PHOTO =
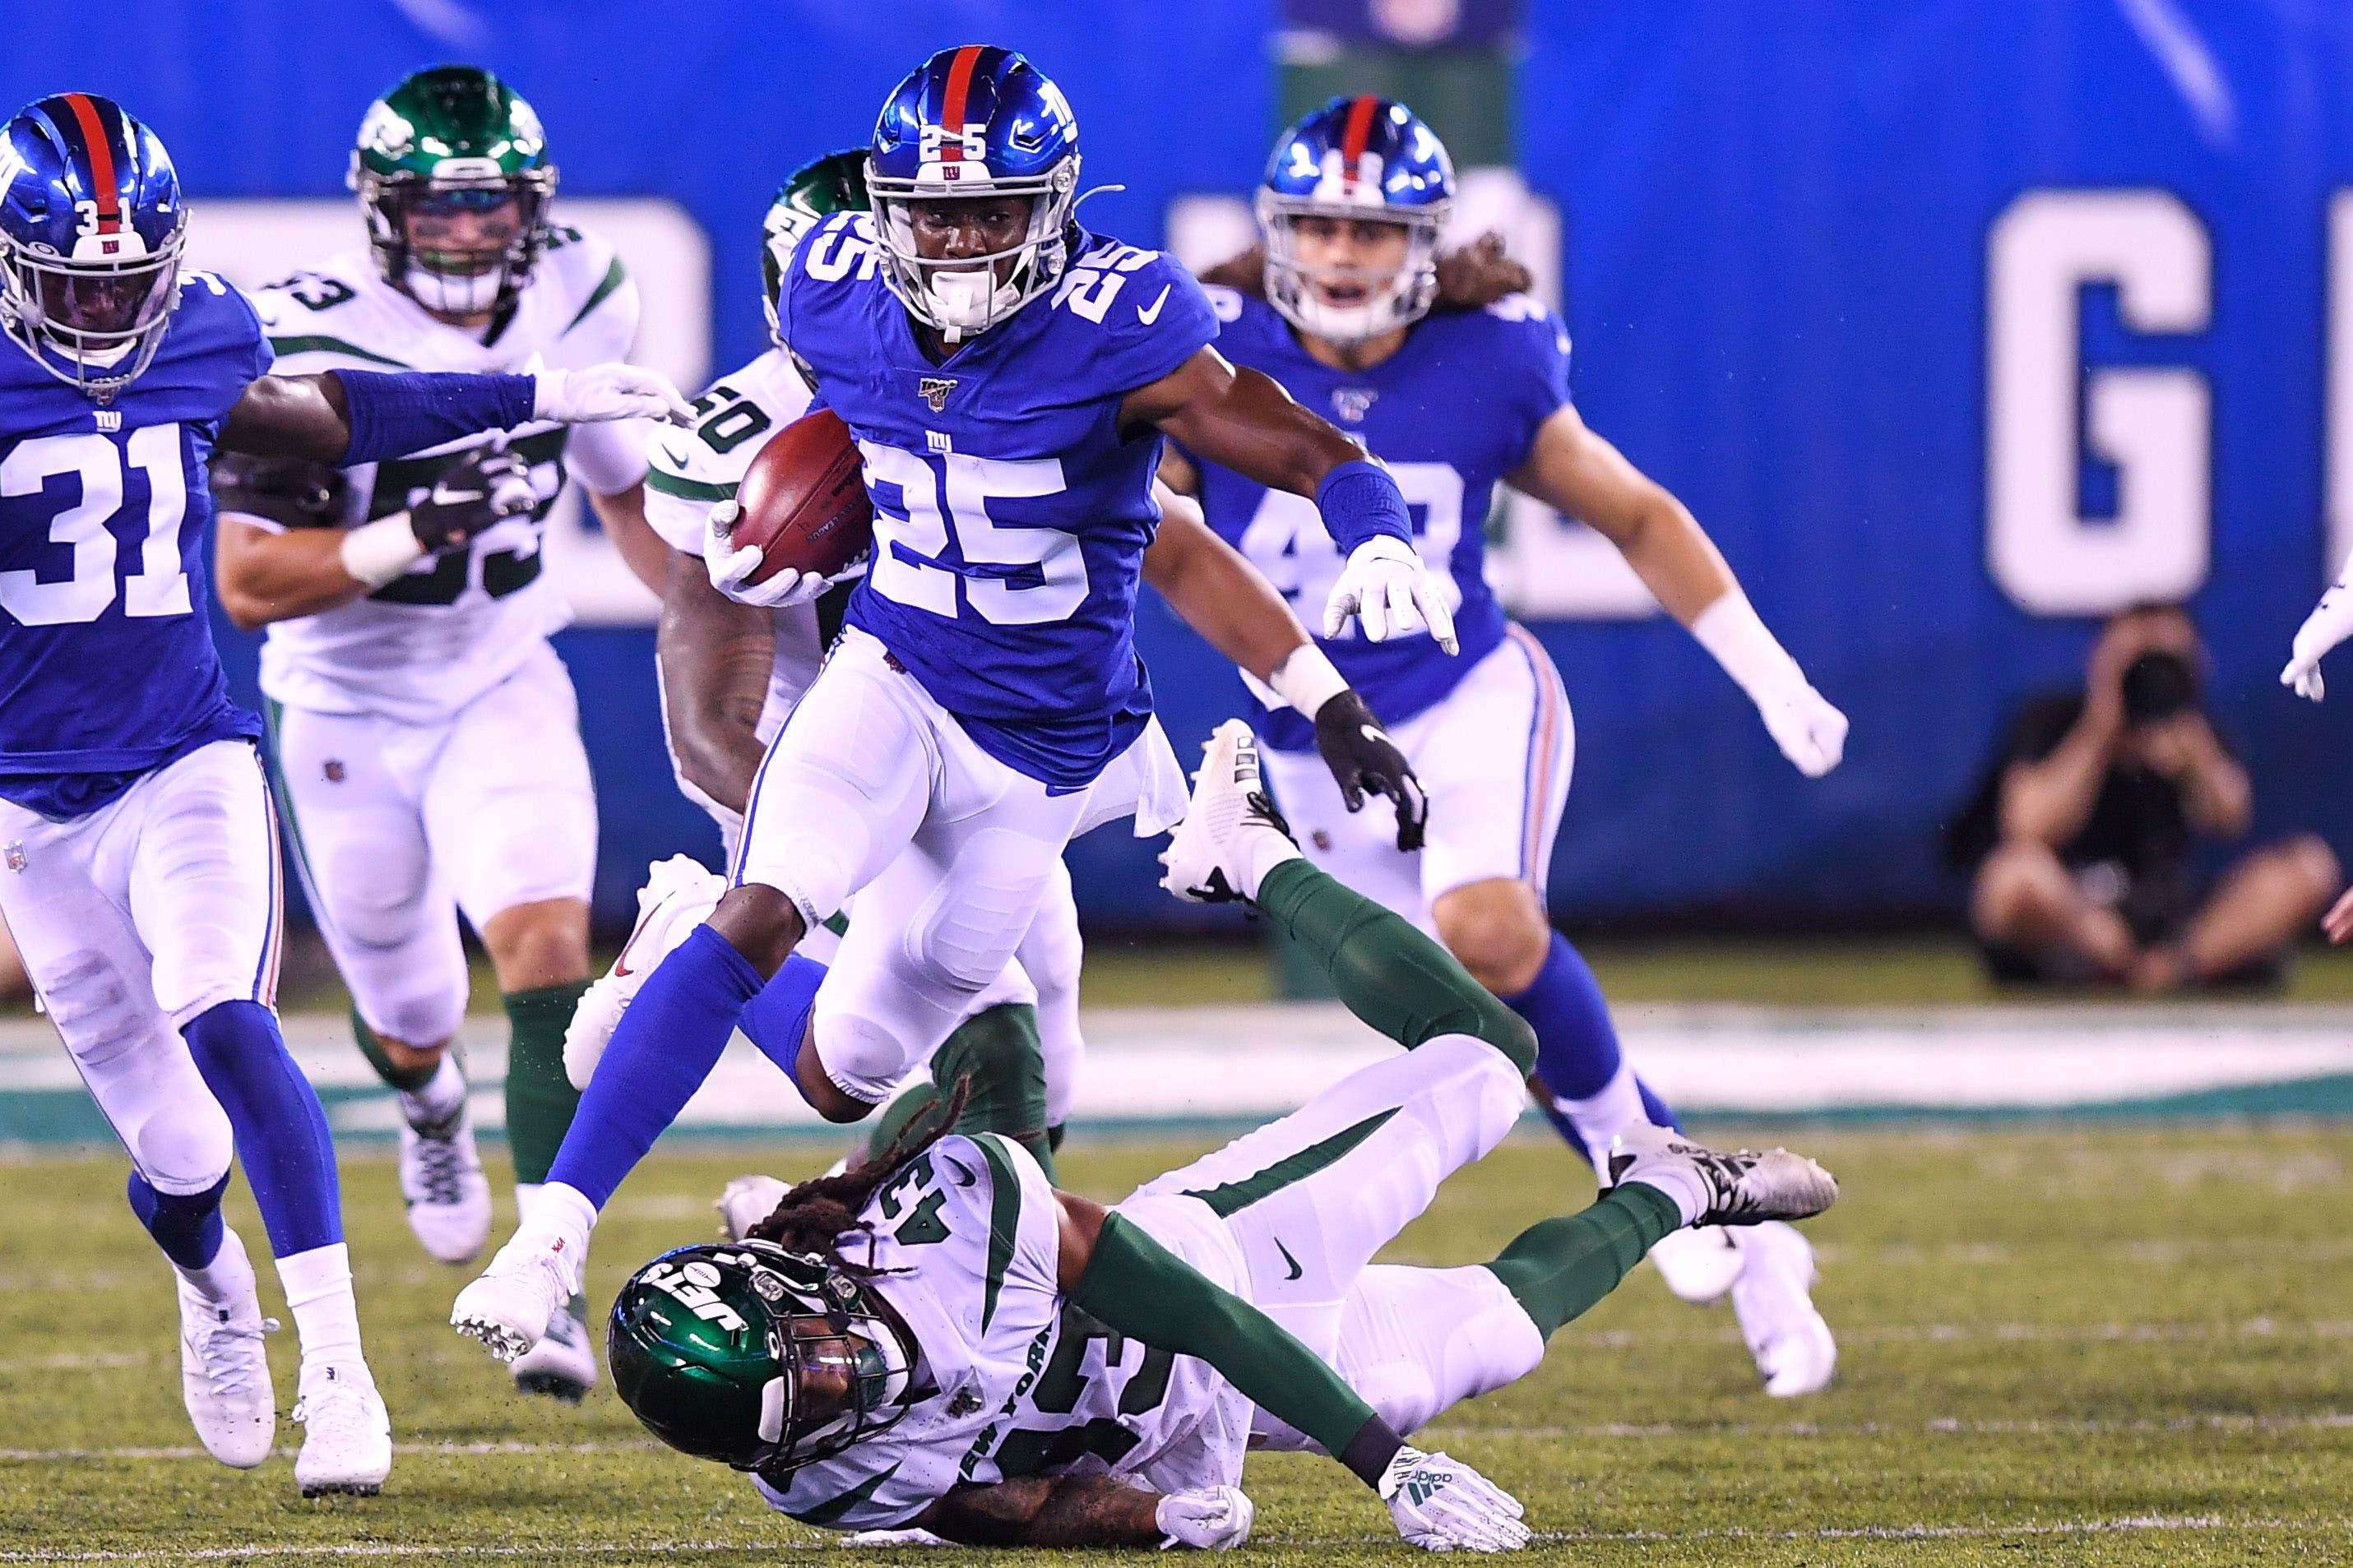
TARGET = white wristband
(1306,679)
(1731,632)
(375,553)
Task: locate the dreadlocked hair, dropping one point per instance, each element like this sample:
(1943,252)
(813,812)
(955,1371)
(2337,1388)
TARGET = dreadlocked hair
(816,1215)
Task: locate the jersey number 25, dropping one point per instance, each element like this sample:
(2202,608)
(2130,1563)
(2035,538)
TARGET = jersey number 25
(1012,576)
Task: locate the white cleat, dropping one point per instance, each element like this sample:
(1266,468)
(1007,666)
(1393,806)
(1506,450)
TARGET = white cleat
(1231,834)
(441,1179)
(346,1436)
(679,895)
(746,1201)
(563,1365)
(225,1373)
(510,1306)
(1773,1299)
(1741,1188)
(1699,1265)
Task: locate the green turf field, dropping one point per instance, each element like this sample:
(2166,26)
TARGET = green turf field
(2124,1346)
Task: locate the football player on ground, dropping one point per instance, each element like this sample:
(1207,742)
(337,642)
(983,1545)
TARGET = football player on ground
(426,737)
(1356,198)
(1009,376)
(733,674)
(939,1340)
(141,852)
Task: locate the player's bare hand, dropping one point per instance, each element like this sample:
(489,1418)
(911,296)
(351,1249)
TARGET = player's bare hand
(605,392)
(1364,760)
(2330,623)
(1810,731)
(472,495)
(1385,588)
(2338,921)
(1441,1504)
(1212,1518)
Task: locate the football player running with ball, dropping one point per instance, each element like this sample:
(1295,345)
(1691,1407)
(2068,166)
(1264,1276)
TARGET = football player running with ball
(140,854)
(1008,376)
(1356,195)
(940,1341)
(426,737)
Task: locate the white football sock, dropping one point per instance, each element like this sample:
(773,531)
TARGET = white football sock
(1605,1113)
(1265,850)
(1686,1187)
(442,1094)
(319,1294)
(227,1277)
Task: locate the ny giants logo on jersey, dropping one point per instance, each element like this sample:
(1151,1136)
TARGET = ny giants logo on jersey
(1352,403)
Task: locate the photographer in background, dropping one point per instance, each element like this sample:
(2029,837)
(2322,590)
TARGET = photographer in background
(2087,843)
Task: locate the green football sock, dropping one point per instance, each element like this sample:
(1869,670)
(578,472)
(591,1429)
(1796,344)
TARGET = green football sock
(539,1098)
(1389,975)
(1557,1268)
(406,1081)
(996,1051)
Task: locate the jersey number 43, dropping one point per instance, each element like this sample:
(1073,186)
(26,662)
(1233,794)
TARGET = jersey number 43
(157,585)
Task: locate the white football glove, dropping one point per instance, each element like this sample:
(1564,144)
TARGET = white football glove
(604,391)
(1213,1518)
(1810,731)
(1389,591)
(731,566)
(1443,1505)
(2330,623)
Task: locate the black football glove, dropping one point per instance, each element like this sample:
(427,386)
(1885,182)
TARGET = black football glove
(479,490)
(1364,760)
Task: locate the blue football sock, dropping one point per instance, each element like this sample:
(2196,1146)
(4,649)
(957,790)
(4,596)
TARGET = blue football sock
(669,1041)
(282,1131)
(1577,1045)
(188,1226)
(777,1020)
(1659,1111)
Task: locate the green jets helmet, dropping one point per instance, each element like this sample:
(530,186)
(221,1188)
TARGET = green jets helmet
(756,1357)
(810,194)
(442,144)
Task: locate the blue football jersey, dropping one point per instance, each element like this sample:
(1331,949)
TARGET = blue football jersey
(107,665)
(1011,512)
(1451,412)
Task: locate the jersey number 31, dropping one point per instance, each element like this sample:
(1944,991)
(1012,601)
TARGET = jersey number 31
(159,586)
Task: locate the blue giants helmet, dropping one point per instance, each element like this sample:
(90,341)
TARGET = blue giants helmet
(969,122)
(91,226)
(1362,158)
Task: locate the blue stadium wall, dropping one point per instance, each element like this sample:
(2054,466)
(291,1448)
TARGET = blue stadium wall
(1778,221)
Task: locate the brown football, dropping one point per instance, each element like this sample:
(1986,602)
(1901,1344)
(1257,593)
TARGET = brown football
(803,500)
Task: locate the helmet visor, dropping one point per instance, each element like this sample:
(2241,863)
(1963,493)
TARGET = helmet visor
(101,305)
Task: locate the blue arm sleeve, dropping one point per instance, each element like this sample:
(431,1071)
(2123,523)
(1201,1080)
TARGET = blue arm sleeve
(392,415)
(1360,499)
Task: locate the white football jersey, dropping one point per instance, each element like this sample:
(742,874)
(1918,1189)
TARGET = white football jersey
(691,471)
(1014,1381)
(453,626)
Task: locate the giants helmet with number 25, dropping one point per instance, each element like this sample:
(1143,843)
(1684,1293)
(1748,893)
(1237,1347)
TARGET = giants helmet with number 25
(91,227)
(974,121)
(1364,158)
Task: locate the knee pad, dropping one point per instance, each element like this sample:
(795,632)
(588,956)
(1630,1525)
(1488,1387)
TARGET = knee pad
(184,1146)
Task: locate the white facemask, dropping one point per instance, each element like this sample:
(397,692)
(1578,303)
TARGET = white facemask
(454,293)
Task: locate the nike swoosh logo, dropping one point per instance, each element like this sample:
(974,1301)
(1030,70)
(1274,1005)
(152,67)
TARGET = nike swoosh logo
(964,1178)
(1149,316)
(1295,1270)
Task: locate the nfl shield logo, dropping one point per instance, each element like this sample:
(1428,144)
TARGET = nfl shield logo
(935,390)
(15,856)
(1351,403)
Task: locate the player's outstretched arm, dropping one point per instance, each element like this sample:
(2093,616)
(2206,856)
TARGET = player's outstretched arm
(348,416)
(1093,1511)
(715,656)
(1111,1269)
(1245,421)
(285,551)
(1573,469)
(1222,596)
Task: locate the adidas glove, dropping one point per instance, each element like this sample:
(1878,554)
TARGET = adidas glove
(1443,1505)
